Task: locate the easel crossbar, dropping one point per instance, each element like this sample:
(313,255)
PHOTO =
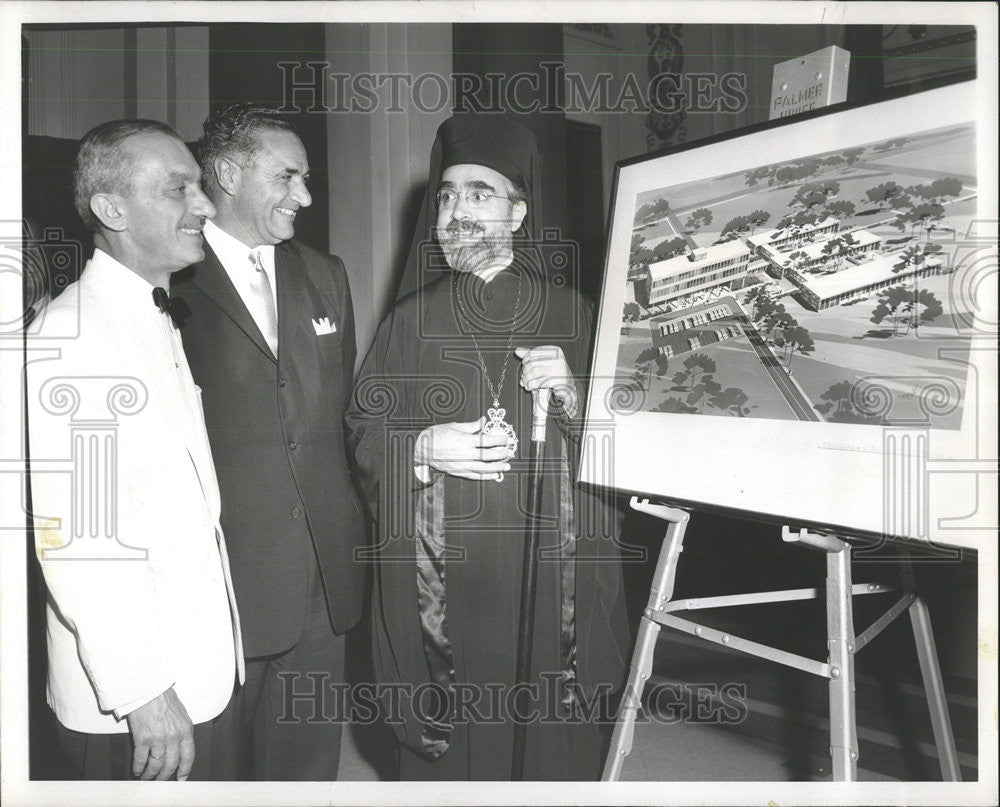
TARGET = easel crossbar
(761,597)
(884,621)
(746,645)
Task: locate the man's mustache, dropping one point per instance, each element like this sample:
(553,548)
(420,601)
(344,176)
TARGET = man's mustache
(460,228)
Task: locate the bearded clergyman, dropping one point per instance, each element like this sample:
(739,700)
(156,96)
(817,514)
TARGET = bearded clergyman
(440,424)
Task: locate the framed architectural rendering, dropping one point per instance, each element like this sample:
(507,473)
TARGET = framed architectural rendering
(800,320)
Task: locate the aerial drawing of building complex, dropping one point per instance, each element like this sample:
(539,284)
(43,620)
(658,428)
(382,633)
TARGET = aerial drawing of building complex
(851,281)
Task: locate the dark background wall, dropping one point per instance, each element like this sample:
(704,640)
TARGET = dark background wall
(241,67)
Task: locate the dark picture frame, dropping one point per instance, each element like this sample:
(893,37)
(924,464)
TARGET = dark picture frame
(737,364)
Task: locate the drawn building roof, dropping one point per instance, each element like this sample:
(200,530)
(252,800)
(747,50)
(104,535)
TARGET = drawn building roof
(701,257)
(765,237)
(814,251)
(857,277)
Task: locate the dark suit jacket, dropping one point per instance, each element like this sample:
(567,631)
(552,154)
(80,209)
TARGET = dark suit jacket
(276,431)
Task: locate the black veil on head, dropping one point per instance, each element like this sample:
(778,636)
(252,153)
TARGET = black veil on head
(494,140)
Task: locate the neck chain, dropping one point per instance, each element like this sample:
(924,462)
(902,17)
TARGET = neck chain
(496,414)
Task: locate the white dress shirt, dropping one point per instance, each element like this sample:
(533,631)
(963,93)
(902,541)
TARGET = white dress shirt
(234,256)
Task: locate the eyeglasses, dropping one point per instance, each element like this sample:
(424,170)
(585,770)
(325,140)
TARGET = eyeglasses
(474,197)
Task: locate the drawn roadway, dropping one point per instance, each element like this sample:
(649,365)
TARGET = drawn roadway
(792,394)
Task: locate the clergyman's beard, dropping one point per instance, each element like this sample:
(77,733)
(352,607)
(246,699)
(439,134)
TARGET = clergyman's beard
(490,250)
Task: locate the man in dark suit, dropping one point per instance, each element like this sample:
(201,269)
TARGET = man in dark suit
(270,340)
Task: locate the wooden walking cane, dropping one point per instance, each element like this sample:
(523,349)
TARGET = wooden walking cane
(529,578)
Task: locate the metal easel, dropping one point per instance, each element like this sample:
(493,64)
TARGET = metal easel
(842,642)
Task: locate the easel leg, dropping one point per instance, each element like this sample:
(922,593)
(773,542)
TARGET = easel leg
(642,657)
(840,639)
(642,665)
(930,671)
(841,643)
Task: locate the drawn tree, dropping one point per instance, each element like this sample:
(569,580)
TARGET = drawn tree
(924,214)
(706,387)
(766,306)
(630,314)
(737,224)
(889,306)
(795,260)
(757,218)
(797,339)
(756,175)
(776,327)
(838,395)
(813,195)
(799,170)
(885,194)
(911,256)
(731,400)
(915,256)
(910,307)
(839,248)
(840,399)
(675,404)
(840,209)
(923,307)
(698,218)
(938,190)
(655,209)
(831,248)
(797,224)
(695,366)
(851,155)
(847,244)
(639,255)
(668,248)
(648,358)
(756,296)
(891,144)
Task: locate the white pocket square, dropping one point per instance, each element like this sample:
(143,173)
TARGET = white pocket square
(324,326)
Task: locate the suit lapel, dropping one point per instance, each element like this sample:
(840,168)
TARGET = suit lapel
(212,279)
(290,274)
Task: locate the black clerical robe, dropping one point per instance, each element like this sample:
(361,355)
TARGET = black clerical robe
(449,553)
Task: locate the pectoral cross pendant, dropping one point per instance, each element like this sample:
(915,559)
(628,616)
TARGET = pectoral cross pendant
(497,425)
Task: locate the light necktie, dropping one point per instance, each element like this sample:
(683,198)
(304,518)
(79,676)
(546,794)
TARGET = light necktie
(260,287)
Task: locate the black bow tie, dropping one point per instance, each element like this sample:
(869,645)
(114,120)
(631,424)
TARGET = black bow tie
(175,307)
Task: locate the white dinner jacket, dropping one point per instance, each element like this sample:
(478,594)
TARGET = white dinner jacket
(126,510)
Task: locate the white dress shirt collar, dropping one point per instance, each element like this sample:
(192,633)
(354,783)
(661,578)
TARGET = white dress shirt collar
(128,288)
(233,252)
(234,256)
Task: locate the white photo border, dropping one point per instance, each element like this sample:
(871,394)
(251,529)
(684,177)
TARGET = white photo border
(17,789)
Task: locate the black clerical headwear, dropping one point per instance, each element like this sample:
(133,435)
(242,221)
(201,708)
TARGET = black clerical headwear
(497,141)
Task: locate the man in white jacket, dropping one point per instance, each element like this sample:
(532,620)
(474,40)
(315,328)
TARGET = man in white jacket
(142,630)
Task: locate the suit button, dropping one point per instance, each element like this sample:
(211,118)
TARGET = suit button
(296,513)
(292,445)
(282,381)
